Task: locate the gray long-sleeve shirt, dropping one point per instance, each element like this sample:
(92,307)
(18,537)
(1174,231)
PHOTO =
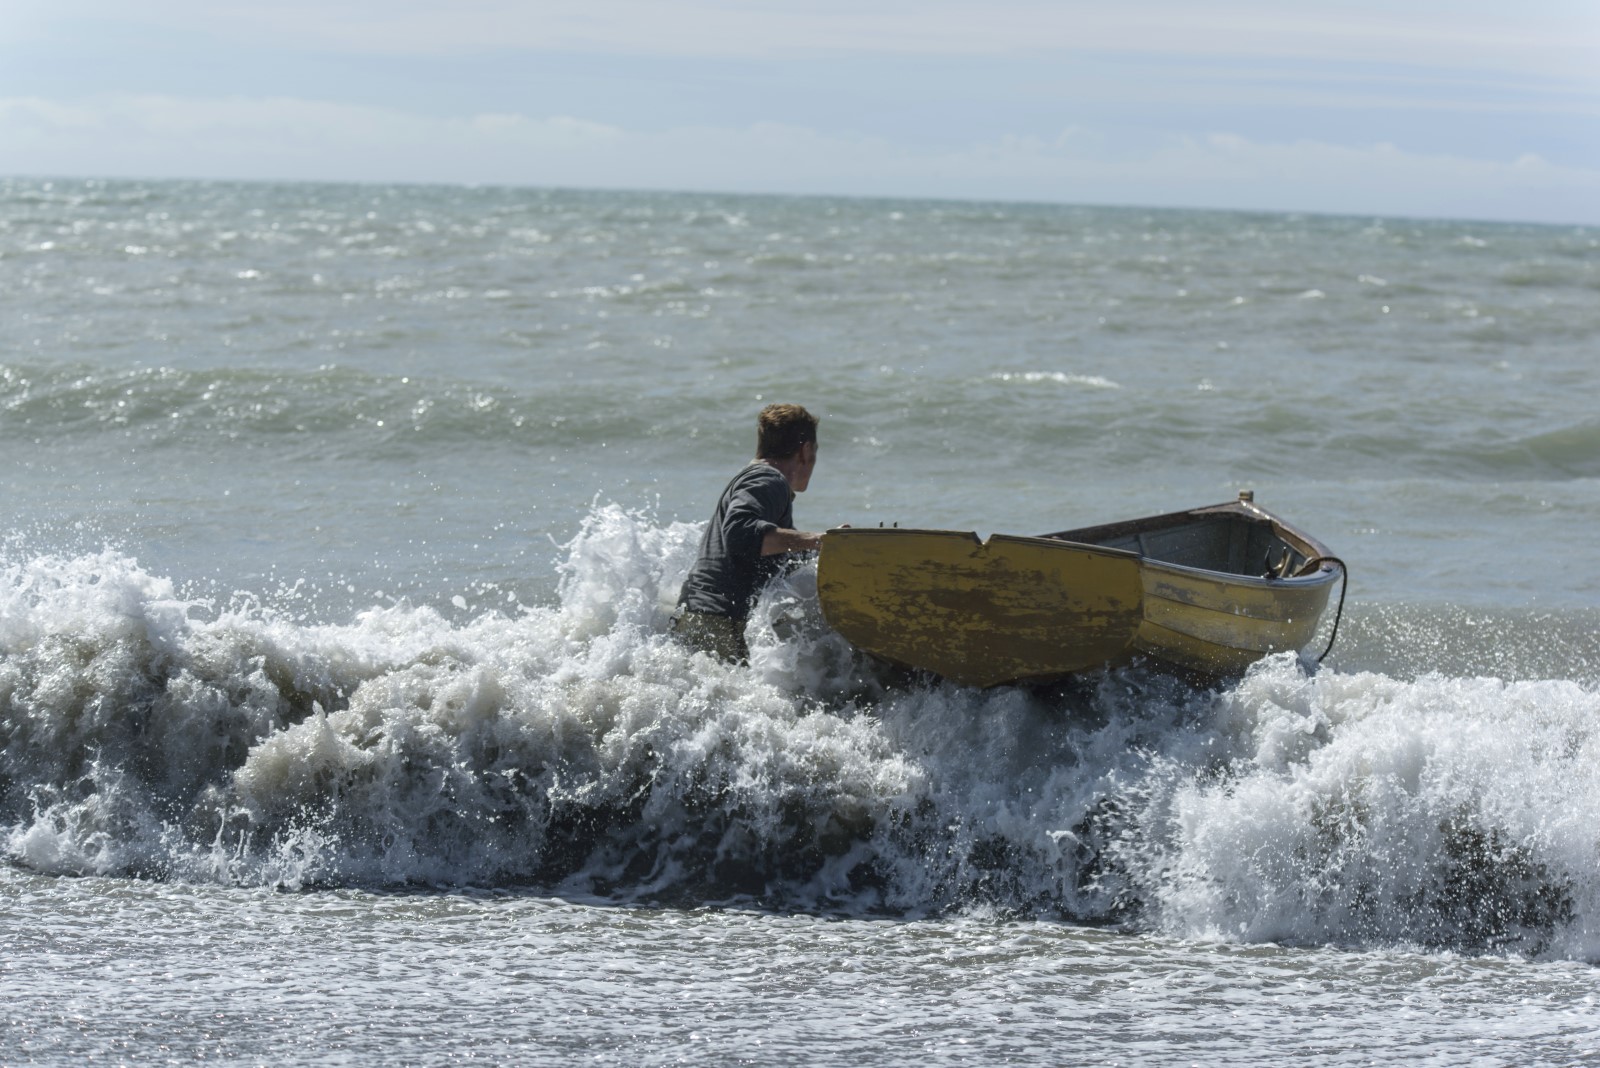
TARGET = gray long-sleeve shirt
(730,569)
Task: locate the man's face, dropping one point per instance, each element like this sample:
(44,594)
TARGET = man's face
(808,461)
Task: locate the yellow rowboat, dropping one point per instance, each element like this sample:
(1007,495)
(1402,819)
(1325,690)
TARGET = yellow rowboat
(1208,591)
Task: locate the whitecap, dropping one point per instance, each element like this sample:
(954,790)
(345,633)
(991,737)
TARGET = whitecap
(1058,377)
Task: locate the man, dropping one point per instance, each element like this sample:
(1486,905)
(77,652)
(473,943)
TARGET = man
(753,524)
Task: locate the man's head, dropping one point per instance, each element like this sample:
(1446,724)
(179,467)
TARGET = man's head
(787,434)
(781,429)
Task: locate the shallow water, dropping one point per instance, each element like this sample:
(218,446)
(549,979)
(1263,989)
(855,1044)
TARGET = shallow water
(138,972)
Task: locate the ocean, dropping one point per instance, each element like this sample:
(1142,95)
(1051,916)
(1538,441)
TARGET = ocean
(339,723)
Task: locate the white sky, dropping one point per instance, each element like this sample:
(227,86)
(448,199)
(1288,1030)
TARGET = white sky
(1402,107)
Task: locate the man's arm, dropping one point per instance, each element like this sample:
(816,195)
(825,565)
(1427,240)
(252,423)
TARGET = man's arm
(781,540)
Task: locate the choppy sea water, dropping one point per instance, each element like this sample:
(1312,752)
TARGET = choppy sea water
(343,524)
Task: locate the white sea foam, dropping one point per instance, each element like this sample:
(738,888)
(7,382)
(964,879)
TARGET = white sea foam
(1058,377)
(1443,812)
(574,746)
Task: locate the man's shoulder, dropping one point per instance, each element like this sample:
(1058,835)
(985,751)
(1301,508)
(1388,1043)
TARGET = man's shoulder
(757,475)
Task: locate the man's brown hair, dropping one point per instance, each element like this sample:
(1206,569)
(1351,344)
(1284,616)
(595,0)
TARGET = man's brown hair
(781,429)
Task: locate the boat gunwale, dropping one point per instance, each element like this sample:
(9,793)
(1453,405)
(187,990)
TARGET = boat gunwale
(1308,546)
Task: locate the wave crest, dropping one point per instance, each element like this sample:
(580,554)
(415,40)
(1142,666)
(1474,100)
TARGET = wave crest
(574,748)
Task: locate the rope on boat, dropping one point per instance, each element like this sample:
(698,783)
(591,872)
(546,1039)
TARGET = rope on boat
(1344,584)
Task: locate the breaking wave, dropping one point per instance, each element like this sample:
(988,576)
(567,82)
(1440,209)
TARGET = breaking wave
(573,748)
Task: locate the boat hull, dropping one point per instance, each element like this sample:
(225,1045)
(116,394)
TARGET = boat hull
(1036,609)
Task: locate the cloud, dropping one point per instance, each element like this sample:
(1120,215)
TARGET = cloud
(284,137)
(288,138)
(1382,179)
(1548,38)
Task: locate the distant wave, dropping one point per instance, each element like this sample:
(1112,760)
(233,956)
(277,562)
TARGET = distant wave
(168,406)
(1573,450)
(351,413)
(1058,377)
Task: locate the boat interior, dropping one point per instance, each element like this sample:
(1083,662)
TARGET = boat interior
(1229,542)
